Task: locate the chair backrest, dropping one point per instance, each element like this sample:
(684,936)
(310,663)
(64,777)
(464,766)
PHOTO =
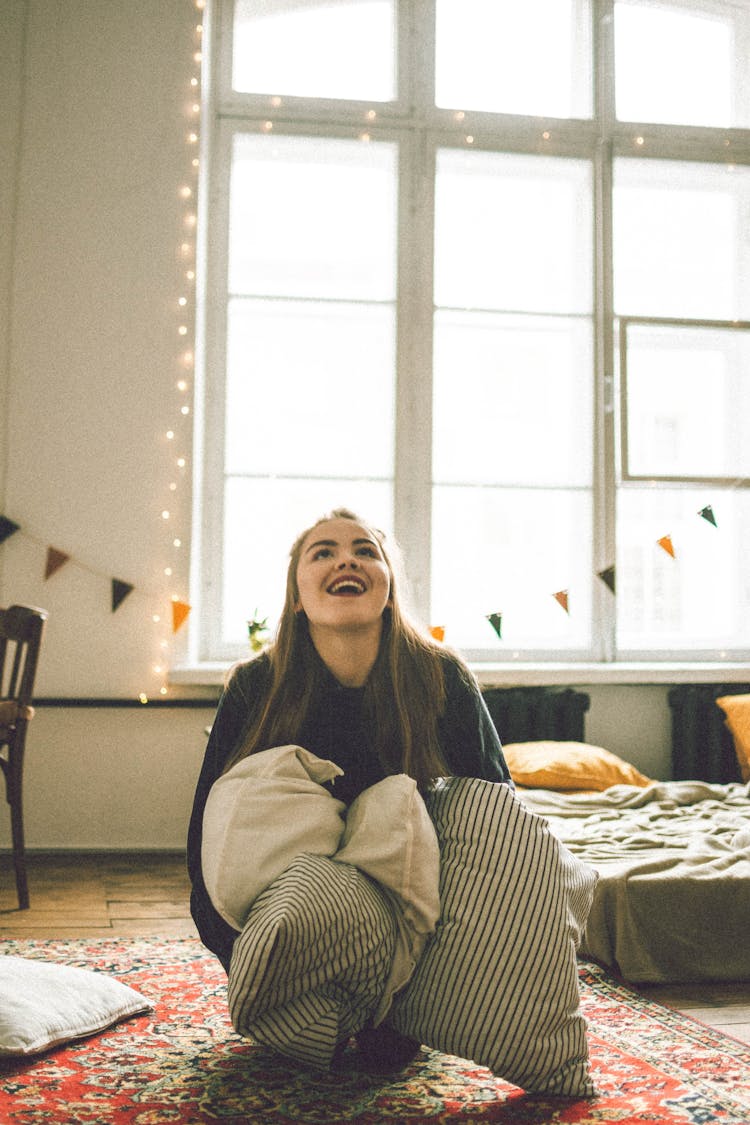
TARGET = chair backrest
(21,629)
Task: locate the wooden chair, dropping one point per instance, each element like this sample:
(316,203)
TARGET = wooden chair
(21,629)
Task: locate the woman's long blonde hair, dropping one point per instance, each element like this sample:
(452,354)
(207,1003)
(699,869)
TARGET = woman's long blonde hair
(404,695)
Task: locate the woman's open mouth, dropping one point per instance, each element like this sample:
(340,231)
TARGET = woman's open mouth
(348,586)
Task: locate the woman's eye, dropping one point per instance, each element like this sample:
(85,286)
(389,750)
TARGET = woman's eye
(322,553)
(368,551)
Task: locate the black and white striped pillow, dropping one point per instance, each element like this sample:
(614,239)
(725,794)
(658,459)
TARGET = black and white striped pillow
(497,982)
(309,968)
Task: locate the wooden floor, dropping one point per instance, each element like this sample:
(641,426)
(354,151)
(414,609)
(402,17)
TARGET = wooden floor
(92,895)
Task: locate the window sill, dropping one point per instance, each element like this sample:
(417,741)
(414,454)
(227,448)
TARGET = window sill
(512,675)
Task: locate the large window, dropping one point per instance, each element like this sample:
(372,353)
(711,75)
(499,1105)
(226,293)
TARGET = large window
(480,270)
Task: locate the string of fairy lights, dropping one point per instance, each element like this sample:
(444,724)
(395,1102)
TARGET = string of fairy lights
(176,437)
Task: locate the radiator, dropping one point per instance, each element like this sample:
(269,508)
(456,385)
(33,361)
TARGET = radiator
(702,747)
(528,714)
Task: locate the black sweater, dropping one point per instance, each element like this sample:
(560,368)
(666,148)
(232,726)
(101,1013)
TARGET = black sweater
(336,730)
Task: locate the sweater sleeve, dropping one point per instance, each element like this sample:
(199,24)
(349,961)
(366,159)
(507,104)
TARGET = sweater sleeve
(230,723)
(470,741)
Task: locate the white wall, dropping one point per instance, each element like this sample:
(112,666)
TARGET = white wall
(95,102)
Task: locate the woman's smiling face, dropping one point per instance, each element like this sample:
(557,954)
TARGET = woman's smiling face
(343,579)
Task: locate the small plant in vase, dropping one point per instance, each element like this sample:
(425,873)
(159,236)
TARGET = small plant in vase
(257,632)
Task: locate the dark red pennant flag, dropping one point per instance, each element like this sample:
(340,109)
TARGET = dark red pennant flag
(55,559)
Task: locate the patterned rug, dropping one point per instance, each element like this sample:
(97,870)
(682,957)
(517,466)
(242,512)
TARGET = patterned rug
(183,1065)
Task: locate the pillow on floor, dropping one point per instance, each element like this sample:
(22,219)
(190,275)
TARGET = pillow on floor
(43,1005)
(498,981)
(313,959)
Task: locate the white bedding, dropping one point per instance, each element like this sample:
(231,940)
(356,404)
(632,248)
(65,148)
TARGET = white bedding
(673,898)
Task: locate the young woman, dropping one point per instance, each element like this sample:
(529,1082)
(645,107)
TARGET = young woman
(351,679)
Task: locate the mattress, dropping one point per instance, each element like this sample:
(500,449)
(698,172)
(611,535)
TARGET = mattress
(673,898)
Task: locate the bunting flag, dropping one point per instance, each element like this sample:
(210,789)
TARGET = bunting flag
(438,632)
(496,621)
(666,544)
(608,577)
(55,559)
(7,528)
(120,591)
(561,597)
(708,514)
(180,610)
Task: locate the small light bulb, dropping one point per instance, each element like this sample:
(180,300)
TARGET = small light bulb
(176,542)
(182,302)
(162,690)
(182,385)
(185,191)
(195,163)
(364,137)
(639,140)
(182,330)
(190,275)
(459,115)
(172,487)
(276,101)
(184,410)
(193,138)
(143,698)
(267,126)
(198,56)
(165,514)
(187,358)
(168,571)
(469,139)
(181,462)
(156,619)
(371,115)
(170,435)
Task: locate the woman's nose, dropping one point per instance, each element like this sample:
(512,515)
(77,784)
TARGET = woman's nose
(349,560)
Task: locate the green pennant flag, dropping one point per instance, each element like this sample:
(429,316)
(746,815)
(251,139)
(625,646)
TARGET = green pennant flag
(608,577)
(7,528)
(496,621)
(708,514)
(120,591)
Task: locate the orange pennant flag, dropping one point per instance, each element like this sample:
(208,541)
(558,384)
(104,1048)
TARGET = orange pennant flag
(180,610)
(55,559)
(561,597)
(438,632)
(666,544)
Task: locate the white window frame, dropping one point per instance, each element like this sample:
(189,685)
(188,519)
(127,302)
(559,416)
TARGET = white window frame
(420,128)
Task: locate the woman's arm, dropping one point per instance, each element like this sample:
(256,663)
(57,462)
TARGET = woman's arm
(470,742)
(230,723)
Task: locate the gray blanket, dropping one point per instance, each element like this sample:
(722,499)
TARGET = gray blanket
(673,898)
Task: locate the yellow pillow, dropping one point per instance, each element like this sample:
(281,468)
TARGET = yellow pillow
(737,711)
(568,765)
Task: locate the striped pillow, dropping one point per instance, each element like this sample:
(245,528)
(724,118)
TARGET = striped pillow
(498,981)
(311,963)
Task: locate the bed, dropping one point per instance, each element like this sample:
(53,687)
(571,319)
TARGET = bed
(672,901)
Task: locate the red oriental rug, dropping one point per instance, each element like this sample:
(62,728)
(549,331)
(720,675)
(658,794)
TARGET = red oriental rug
(183,1065)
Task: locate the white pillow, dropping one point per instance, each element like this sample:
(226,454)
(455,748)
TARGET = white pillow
(498,981)
(43,1005)
(259,816)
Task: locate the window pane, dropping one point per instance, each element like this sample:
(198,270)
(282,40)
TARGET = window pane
(312,218)
(524,58)
(315,48)
(310,389)
(688,402)
(512,399)
(262,520)
(681,240)
(700,599)
(509,551)
(513,232)
(682,63)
